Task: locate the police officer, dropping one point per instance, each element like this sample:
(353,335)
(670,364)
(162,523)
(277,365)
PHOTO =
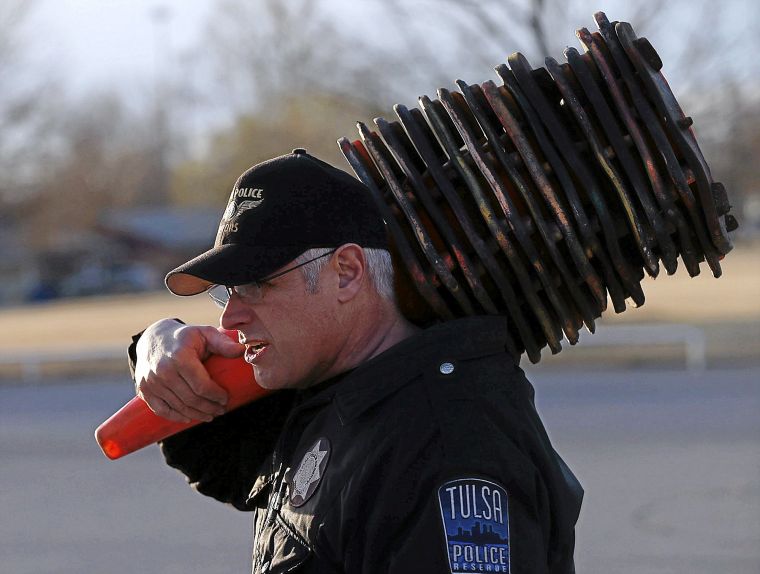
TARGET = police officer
(384,447)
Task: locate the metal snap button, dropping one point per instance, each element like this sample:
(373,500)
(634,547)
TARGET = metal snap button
(446,368)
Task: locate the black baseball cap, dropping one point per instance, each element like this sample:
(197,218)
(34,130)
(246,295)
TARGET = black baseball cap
(277,210)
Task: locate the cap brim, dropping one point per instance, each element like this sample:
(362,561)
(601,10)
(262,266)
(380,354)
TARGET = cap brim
(231,264)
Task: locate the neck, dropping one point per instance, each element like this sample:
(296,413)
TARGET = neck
(398,330)
(374,333)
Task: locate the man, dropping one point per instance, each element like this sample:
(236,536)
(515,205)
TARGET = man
(384,447)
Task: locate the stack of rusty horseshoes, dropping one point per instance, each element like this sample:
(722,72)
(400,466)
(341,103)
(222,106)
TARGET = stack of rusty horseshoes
(539,198)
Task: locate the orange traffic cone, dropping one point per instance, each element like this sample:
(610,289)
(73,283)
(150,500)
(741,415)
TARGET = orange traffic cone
(135,426)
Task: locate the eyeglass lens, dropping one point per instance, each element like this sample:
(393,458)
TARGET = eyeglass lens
(220,294)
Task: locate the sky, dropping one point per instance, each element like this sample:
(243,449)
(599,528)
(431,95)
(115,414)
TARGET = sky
(98,42)
(127,40)
(96,45)
(131,44)
(116,41)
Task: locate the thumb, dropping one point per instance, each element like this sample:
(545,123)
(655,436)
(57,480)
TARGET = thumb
(219,343)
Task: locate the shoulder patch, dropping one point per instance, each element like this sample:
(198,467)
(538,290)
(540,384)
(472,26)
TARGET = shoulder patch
(475,517)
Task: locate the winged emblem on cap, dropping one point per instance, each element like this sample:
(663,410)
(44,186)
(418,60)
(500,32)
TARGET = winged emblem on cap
(248,204)
(229,213)
(235,209)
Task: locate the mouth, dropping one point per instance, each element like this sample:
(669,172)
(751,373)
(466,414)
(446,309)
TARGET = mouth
(254,350)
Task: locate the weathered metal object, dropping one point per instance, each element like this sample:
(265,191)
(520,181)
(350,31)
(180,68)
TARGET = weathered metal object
(540,198)
(661,146)
(573,165)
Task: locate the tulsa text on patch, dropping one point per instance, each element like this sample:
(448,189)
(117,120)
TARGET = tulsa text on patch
(475,519)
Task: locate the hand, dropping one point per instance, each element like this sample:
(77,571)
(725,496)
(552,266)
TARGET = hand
(169,372)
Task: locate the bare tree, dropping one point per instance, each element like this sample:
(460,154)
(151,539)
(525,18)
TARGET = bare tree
(106,160)
(265,51)
(26,115)
(268,49)
(299,69)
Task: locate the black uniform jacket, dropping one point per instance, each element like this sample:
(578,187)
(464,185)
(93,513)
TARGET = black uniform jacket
(428,458)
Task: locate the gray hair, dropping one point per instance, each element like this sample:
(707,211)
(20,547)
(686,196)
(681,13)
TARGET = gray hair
(379,269)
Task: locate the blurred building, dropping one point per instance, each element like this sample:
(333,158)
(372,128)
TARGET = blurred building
(15,260)
(129,250)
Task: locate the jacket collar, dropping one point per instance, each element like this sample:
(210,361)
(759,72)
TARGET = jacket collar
(452,341)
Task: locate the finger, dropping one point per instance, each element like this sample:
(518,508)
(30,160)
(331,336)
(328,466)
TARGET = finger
(220,344)
(192,399)
(161,407)
(201,384)
(166,393)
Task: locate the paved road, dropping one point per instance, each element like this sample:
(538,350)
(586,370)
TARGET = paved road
(671,466)
(670,462)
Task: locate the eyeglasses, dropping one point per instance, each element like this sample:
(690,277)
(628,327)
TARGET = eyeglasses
(251,292)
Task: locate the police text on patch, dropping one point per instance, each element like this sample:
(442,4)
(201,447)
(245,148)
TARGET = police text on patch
(475,519)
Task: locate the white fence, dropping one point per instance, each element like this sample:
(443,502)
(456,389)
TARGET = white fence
(650,334)
(32,366)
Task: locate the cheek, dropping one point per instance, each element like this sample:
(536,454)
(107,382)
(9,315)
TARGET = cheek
(294,334)
(311,343)
(303,330)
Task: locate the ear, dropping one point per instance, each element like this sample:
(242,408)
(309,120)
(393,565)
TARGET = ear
(350,264)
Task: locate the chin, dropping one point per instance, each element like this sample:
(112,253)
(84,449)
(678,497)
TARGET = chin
(267,380)
(267,384)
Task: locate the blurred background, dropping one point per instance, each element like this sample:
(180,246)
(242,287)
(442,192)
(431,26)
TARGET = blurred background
(124,125)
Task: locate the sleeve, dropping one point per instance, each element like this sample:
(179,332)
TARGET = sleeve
(449,492)
(427,518)
(132,354)
(221,458)
(472,521)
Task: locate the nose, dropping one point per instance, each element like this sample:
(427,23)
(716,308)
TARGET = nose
(235,314)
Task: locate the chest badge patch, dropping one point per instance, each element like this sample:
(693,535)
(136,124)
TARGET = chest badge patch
(309,473)
(475,517)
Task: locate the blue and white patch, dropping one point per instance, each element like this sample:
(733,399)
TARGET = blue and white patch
(475,518)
